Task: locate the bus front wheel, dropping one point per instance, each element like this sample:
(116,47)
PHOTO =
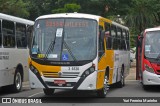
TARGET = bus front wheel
(102,92)
(48,91)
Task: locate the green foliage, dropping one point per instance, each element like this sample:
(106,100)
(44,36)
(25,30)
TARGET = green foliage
(133,41)
(14,7)
(137,14)
(67,8)
(140,15)
(72,7)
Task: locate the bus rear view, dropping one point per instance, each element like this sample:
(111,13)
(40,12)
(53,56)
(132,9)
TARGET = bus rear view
(148,66)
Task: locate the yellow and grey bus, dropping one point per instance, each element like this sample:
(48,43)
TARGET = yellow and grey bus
(79,52)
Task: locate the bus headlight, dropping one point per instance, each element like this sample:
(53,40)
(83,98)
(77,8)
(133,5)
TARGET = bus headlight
(149,69)
(33,69)
(88,71)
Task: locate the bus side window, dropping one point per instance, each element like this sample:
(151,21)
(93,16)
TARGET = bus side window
(114,37)
(108,36)
(127,39)
(0,33)
(124,42)
(8,30)
(119,35)
(21,38)
(101,42)
(29,35)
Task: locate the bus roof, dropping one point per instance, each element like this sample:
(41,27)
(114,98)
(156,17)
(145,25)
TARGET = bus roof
(78,15)
(71,15)
(15,19)
(152,29)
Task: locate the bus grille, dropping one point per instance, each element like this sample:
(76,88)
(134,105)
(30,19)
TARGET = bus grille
(62,75)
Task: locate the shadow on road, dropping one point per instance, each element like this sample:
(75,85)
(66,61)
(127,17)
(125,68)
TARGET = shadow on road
(8,91)
(154,88)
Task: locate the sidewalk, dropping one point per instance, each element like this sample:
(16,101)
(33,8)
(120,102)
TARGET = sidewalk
(132,72)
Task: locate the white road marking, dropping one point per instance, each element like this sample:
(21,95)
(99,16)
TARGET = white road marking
(35,94)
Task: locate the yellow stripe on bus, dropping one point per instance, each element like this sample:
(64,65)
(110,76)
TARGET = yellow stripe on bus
(106,60)
(110,63)
(46,68)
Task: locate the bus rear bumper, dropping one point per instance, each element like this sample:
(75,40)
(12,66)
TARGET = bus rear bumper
(79,83)
(150,78)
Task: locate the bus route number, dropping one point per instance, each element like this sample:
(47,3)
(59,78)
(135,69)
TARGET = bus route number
(73,68)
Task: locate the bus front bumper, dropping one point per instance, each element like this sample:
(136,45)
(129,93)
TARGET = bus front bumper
(79,83)
(150,78)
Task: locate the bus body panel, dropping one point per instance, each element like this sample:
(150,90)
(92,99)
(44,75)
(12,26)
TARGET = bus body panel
(150,78)
(34,81)
(120,59)
(64,73)
(88,84)
(10,58)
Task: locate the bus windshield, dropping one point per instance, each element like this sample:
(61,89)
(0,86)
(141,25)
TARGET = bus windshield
(64,39)
(152,42)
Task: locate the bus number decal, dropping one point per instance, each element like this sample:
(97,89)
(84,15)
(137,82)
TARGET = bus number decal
(73,68)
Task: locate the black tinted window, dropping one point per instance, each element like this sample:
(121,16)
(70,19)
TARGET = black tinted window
(21,38)
(8,34)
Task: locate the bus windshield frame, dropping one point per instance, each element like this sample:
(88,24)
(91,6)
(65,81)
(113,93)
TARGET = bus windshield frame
(151,46)
(65,39)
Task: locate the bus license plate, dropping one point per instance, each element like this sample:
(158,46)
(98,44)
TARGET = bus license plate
(59,82)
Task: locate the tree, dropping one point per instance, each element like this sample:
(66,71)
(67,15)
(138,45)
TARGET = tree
(67,8)
(14,7)
(142,15)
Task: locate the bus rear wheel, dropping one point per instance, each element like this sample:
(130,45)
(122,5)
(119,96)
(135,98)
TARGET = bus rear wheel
(17,86)
(103,92)
(121,83)
(48,91)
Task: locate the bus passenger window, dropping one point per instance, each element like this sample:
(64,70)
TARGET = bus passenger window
(108,36)
(8,34)
(101,42)
(127,39)
(123,43)
(114,37)
(29,35)
(119,34)
(0,34)
(21,38)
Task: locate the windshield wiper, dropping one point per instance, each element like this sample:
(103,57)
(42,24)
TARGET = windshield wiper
(51,46)
(69,50)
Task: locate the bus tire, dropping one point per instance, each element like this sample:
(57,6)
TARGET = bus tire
(17,86)
(48,91)
(103,92)
(121,83)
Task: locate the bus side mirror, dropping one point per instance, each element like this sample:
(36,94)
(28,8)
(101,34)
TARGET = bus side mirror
(102,34)
(140,38)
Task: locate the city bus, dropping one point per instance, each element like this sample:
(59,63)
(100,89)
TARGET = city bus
(79,52)
(148,57)
(13,51)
